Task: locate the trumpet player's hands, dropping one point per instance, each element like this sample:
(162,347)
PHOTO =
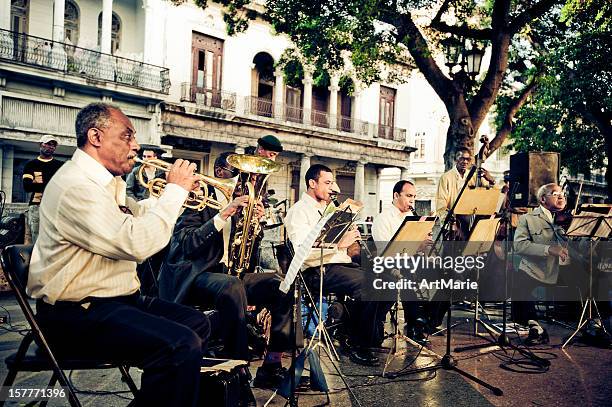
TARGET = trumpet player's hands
(183,174)
(349,238)
(234,207)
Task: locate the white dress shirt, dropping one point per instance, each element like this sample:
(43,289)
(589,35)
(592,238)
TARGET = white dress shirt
(300,219)
(386,224)
(87,245)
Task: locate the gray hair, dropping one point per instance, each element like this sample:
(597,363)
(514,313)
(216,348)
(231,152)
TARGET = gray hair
(545,190)
(94,115)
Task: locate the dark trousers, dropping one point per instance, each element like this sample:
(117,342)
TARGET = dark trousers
(231,295)
(162,338)
(350,280)
(523,298)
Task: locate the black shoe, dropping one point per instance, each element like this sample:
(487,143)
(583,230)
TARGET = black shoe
(363,357)
(537,335)
(269,376)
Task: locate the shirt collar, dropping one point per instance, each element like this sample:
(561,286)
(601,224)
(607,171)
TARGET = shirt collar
(396,212)
(100,175)
(313,202)
(459,175)
(547,213)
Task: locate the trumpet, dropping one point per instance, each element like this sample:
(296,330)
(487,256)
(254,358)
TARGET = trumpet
(194,200)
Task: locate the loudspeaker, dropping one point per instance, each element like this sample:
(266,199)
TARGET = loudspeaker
(531,171)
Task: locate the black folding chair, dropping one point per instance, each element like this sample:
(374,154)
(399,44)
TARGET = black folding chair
(15,264)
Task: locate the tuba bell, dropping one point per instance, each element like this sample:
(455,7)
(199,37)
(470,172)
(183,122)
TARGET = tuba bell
(194,201)
(254,173)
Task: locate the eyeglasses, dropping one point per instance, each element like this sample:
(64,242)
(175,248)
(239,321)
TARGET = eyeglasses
(558,194)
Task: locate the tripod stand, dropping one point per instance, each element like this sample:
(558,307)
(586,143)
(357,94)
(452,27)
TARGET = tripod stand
(448,362)
(590,302)
(320,338)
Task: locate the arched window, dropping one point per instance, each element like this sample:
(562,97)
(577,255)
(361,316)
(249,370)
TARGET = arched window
(262,82)
(19,15)
(71,22)
(115,32)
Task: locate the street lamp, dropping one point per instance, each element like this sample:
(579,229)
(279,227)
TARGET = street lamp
(452,50)
(456,52)
(473,59)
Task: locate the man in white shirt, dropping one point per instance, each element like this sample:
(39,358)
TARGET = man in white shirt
(537,241)
(383,229)
(341,276)
(83,266)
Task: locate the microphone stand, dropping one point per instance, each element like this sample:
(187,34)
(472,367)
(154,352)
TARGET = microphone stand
(448,362)
(502,340)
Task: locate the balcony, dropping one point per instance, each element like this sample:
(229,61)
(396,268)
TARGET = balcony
(265,109)
(208,97)
(81,62)
(391,133)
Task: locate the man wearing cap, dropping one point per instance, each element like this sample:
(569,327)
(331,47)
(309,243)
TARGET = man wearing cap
(36,175)
(134,188)
(267,146)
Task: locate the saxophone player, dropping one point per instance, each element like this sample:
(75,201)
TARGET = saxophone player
(194,272)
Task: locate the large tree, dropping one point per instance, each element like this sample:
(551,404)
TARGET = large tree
(377,33)
(570,110)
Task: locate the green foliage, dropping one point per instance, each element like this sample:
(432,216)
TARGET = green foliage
(576,84)
(346,85)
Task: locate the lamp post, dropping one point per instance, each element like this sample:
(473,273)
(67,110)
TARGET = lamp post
(456,52)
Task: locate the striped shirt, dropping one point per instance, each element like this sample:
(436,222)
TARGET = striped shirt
(87,246)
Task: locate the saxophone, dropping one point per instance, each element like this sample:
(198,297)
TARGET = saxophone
(254,174)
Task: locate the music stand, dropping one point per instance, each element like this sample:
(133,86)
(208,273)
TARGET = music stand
(589,225)
(448,362)
(413,229)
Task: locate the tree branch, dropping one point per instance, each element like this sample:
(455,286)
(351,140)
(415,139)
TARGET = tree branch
(408,33)
(531,14)
(463,30)
(507,126)
(484,98)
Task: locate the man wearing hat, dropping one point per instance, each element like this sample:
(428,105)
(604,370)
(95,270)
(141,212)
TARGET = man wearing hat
(267,146)
(134,189)
(36,175)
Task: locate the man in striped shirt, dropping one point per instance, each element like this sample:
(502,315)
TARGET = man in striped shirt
(83,267)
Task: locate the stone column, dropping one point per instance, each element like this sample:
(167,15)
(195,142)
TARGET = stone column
(8,155)
(356,111)
(307,81)
(5,14)
(151,43)
(405,173)
(360,181)
(59,7)
(107,20)
(304,166)
(333,102)
(379,196)
(279,93)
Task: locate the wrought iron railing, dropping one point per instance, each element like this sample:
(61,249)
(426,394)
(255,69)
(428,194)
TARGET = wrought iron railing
(391,133)
(208,97)
(261,106)
(319,118)
(92,65)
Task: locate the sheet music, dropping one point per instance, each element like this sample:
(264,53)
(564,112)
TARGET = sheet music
(301,253)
